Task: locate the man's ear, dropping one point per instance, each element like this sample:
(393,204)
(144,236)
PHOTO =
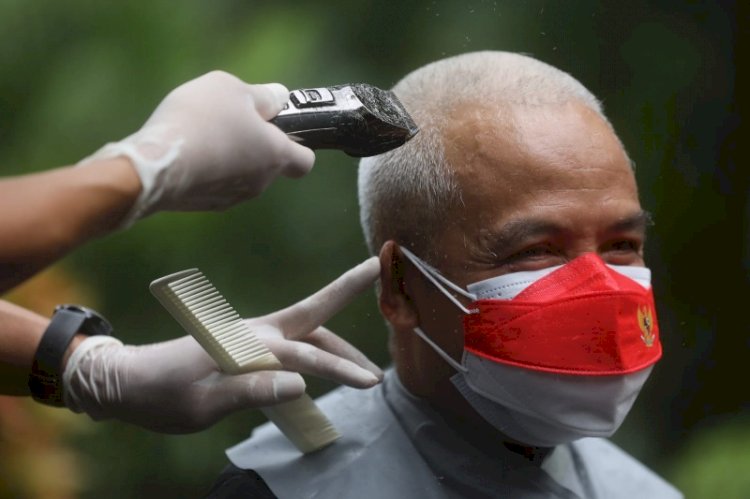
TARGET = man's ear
(395,303)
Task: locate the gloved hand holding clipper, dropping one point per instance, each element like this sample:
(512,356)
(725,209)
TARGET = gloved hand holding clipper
(209,145)
(175,386)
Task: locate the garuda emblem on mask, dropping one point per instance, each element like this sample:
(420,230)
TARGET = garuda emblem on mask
(646,321)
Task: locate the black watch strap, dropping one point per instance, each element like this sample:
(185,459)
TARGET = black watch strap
(45,380)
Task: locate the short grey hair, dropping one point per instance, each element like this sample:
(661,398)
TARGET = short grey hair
(405,194)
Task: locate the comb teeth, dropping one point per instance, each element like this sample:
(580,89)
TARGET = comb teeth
(203,312)
(199,307)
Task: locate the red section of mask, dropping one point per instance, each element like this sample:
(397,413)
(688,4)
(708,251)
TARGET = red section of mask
(583,318)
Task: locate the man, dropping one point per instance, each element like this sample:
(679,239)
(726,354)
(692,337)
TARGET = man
(513,283)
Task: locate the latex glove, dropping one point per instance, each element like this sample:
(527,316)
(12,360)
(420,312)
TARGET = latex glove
(208,145)
(175,386)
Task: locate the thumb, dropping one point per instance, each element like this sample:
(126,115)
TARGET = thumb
(269,98)
(255,390)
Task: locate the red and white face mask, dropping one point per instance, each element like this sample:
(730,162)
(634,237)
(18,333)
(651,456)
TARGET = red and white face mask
(557,354)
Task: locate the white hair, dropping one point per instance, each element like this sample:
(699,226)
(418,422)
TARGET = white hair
(405,194)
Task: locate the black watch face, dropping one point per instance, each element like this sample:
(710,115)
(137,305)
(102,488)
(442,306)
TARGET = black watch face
(94,324)
(46,389)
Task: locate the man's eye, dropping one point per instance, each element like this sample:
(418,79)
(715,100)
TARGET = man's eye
(623,252)
(534,252)
(532,258)
(625,245)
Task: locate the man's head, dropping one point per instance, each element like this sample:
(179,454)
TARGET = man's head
(515,168)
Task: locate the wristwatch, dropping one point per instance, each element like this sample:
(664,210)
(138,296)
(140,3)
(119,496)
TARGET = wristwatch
(45,380)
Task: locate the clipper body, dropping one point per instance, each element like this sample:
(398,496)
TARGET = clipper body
(356,118)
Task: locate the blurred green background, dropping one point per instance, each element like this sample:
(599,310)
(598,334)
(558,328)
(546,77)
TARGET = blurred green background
(77,74)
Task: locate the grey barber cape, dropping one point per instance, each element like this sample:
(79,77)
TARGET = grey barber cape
(395,446)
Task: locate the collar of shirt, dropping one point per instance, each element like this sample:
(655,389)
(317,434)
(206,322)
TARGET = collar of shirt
(471,472)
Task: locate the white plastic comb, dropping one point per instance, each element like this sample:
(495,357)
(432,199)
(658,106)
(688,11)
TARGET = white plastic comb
(204,313)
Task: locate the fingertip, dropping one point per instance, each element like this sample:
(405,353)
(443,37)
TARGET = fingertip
(371,266)
(376,371)
(301,161)
(269,98)
(279,92)
(377,379)
(287,386)
(367,380)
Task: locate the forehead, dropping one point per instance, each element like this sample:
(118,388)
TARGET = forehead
(560,163)
(548,147)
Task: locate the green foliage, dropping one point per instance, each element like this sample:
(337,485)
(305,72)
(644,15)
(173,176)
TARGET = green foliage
(715,461)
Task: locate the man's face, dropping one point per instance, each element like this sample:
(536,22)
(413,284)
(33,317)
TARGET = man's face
(540,186)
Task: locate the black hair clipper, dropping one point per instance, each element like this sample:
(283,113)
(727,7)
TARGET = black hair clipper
(356,118)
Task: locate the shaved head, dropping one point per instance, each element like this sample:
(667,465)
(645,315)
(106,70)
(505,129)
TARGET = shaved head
(405,194)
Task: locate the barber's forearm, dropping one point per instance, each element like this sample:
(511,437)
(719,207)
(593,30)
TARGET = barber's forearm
(45,215)
(20,333)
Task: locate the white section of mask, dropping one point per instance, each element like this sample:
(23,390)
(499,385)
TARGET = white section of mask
(547,409)
(508,286)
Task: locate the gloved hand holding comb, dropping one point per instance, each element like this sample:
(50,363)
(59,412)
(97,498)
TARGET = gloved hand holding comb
(175,386)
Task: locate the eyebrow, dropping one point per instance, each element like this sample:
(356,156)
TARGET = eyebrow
(638,221)
(517,231)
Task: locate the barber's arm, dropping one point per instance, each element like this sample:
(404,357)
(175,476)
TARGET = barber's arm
(207,146)
(45,215)
(20,333)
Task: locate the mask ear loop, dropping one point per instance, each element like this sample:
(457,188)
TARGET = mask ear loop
(434,276)
(450,360)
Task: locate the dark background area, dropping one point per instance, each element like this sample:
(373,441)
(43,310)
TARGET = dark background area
(78,74)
